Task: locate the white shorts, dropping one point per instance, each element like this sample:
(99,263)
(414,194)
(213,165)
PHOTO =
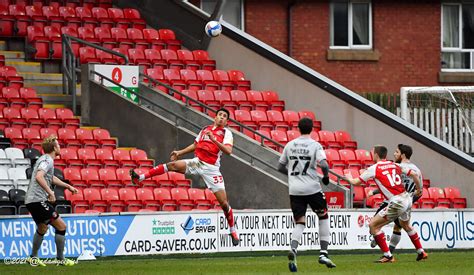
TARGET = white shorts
(209,173)
(399,206)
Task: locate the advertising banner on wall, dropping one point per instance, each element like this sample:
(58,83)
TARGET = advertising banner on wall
(126,76)
(207,232)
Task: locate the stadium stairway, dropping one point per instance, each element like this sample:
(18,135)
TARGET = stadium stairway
(48,85)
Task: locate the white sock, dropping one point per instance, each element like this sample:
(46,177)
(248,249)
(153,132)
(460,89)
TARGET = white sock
(296,235)
(141,177)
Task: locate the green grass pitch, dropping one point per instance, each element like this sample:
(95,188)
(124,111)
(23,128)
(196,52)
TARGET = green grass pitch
(453,263)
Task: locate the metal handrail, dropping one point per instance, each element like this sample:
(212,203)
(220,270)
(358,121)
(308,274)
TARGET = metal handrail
(70,65)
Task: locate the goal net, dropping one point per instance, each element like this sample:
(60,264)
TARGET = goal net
(446,112)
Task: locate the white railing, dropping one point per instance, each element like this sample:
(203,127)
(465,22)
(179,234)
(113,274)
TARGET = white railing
(446,124)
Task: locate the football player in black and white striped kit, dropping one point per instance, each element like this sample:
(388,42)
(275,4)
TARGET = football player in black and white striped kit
(402,156)
(298,160)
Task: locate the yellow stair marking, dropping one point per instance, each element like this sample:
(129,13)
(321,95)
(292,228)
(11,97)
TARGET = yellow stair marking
(126,148)
(54,106)
(23,63)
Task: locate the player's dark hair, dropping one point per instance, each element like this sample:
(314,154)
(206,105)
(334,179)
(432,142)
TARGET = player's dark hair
(405,150)
(224,110)
(305,125)
(381,151)
(48,144)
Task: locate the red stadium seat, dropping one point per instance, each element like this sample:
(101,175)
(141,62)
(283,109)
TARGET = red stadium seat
(266,136)
(454,195)
(133,16)
(47,132)
(207,97)
(240,98)
(91,176)
(179,179)
(33,137)
(12,95)
(119,19)
(244,117)
(69,16)
(87,55)
(364,157)
(207,80)
(95,199)
(39,42)
(87,155)
(7,22)
(344,138)
(88,35)
(222,77)
(359,196)
(153,38)
(164,181)
(172,59)
(14,116)
(333,158)
(108,176)
(203,58)
(239,80)
(169,37)
(194,102)
(141,158)
(29,94)
(199,198)
(128,195)
(123,156)
(137,57)
(16,137)
(256,98)
(225,100)
(154,58)
(173,76)
(272,98)
(121,38)
(436,193)
(87,138)
(328,140)
(111,196)
(147,199)
(123,175)
(70,156)
(104,139)
(101,15)
(349,158)
(36,15)
(190,78)
(21,19)
(67,118)
(180,195)
(68,137)
(187,58)
(105,37)
(292,134)
(104,155)
(73,175)
(163,195)
(276,117)
(53,17)
(279,136)
(260,117)
(136,36)
(292,118)
(79,204)
(85,14)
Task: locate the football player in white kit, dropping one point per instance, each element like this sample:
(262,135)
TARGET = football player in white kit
(298,160)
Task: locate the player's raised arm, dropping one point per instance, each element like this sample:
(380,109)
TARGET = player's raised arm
(176,154)
(225,148)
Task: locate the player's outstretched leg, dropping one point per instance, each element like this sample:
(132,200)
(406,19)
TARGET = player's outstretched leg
(60,238)
(33,260)
(375,225)
(155,171)
(221,196)
(415,239)
(324,240)
(295,238)
(292,260)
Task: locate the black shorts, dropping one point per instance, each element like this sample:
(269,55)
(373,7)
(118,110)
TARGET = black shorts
(316,201)
(382,206)
(42,212)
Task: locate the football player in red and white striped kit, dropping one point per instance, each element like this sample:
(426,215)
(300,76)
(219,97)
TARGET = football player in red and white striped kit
(210,143)
(388,177)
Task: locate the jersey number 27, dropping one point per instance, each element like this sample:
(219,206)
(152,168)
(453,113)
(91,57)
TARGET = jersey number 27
(305,159)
